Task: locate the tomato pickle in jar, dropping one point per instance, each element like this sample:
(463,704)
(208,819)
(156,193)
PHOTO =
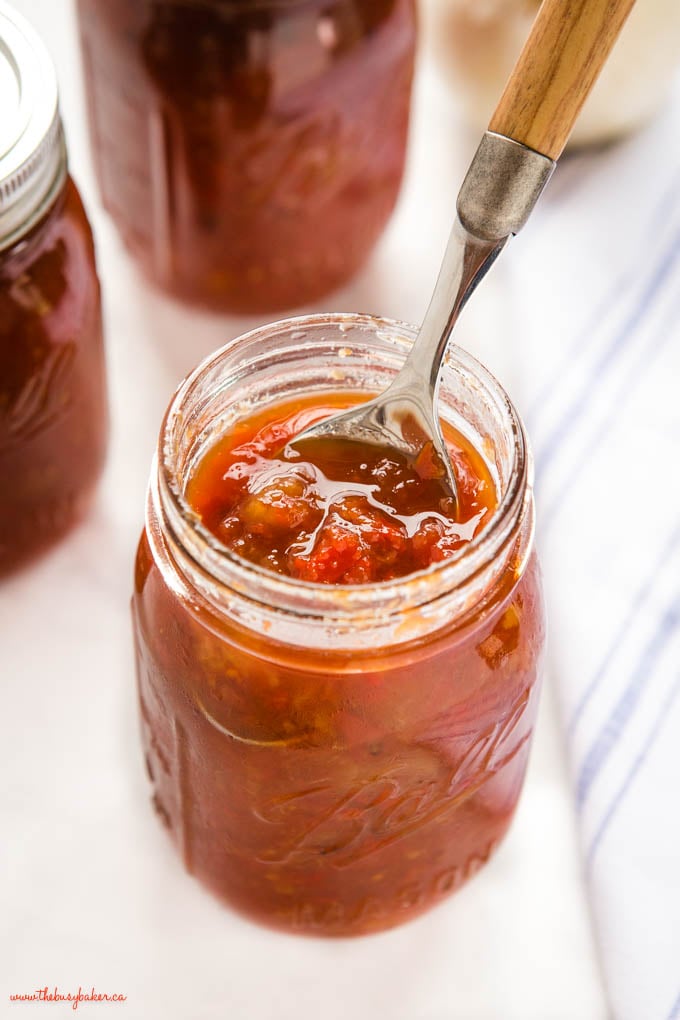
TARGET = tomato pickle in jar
(338,667)
(53,419)
(250,154)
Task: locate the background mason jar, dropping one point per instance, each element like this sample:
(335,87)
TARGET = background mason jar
(476,43)
(53,409)
(250,153)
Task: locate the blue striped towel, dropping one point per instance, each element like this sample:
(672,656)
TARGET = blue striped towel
(594,330)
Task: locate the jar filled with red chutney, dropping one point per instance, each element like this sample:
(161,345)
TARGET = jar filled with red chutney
(338,668)
(53,420)
(250,152)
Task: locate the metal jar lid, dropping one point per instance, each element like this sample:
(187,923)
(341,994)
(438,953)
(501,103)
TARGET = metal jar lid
(33,163)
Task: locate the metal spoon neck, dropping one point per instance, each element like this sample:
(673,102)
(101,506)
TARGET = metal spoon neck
(466,260)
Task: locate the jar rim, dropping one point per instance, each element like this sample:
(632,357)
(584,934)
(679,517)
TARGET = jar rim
(219,564)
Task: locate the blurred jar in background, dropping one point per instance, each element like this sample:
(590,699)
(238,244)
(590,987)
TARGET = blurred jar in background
(476,43)
(250,153)
(53,420)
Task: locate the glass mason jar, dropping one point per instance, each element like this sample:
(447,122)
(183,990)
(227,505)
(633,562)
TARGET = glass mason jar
(250,153)
(335,759)
(53,420)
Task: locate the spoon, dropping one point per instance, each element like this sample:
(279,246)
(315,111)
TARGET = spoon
(568,45)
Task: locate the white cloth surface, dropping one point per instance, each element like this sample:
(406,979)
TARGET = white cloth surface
(601,356)
(579,322)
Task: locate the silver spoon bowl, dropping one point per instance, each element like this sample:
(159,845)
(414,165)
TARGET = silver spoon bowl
(500,189)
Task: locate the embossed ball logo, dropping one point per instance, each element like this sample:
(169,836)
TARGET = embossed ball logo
(345,826)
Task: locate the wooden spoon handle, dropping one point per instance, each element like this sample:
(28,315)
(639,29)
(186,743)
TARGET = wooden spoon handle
(569,43)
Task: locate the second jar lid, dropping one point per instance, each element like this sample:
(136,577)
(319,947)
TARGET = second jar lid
(32,149)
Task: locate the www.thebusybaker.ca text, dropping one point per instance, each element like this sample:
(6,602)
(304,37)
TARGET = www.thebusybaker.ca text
(75,998)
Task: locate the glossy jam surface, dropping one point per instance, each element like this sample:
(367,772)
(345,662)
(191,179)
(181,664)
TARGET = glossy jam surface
(250,154)
(321,789)
(53,419)
(334,512)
